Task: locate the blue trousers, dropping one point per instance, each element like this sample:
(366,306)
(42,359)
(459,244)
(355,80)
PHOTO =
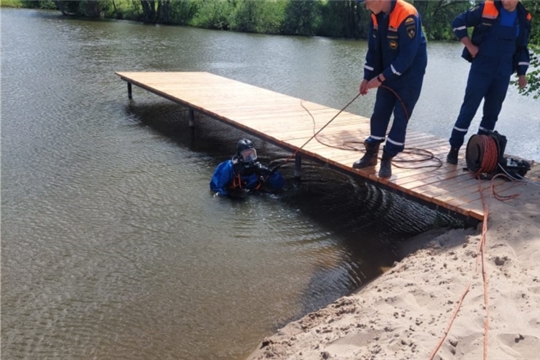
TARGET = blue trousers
(402,106)
(491,88)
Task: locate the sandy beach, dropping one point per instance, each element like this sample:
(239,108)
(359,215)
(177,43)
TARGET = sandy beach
(405,313)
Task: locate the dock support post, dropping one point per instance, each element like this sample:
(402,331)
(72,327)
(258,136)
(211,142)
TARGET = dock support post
(129,91)
(297,166)
(191,117)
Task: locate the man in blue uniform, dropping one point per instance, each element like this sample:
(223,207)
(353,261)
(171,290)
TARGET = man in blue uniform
(244,173)
(397,59)
(497,49)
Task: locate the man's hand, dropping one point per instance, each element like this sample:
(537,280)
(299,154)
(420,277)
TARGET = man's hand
(473,49)
(363,87)
(522,81)
(371,84)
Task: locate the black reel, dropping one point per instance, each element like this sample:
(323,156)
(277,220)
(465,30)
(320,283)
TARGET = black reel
(476,151)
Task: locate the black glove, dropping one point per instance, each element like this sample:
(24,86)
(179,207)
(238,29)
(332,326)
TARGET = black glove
(262,172)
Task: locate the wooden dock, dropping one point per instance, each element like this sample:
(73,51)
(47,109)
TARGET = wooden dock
(283,121)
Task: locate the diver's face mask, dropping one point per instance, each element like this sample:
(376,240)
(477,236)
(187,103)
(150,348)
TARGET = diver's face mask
(248,155)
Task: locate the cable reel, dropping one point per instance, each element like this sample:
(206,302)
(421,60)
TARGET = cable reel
(485,158)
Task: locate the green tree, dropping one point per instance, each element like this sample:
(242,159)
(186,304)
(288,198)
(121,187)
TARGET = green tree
(343,19)
(533,75)
(437,16)
(184,11)
(302,17)
(213,15)
(88,8)
(258,16)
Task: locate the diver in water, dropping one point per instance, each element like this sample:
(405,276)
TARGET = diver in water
(244,173)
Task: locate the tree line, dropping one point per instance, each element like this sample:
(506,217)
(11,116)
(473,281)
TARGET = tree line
(329,18)
(342,18)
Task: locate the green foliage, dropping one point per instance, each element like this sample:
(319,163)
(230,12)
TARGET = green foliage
(69,7)
(533,75)
(213,15)
(437,16)
(47,5)
(302,17)
(13,4)
(36,4)
(182,12)
(332,19)
(130,9)
(258,16)
(343,19)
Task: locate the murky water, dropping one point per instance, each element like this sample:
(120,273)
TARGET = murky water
(113,245)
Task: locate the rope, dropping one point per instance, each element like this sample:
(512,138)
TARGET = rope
(481,250)
(314,135)
(424,154)
(484,273)
(441,340)
(503,197)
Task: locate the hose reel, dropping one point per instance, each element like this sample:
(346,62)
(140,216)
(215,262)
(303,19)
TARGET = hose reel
(485,157)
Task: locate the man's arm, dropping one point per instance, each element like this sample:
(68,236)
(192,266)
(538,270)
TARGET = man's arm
(221,178)
(369,66)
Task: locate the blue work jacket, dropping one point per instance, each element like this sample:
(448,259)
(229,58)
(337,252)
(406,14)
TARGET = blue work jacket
(229,176)
(502,49)
(396,45)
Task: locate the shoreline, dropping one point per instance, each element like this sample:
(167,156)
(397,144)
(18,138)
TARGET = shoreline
(404,313)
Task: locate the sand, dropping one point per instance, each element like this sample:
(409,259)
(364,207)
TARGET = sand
(404,313)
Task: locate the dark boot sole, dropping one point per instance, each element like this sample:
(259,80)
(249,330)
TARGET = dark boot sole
(363,166)
(452,161)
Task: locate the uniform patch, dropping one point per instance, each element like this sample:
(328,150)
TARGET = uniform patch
(393,44)
(409,21)
(411,31)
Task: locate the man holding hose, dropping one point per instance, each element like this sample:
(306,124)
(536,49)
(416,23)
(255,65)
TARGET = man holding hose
(396,62)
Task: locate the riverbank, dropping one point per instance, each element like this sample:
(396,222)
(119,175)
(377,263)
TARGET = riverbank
(404,313)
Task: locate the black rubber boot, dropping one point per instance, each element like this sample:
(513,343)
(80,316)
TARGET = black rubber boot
(370,157)
(452,156)
(386,166)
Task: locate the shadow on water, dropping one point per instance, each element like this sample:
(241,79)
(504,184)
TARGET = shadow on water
(370,224)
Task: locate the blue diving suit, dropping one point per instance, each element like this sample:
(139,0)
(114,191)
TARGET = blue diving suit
(235,175)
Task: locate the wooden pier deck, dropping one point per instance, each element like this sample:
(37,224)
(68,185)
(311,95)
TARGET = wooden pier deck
(283,121)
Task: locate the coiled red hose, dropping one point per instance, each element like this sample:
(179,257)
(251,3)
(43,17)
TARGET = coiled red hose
(490,158)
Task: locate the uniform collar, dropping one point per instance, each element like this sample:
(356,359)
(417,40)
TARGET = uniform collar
(393,6)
